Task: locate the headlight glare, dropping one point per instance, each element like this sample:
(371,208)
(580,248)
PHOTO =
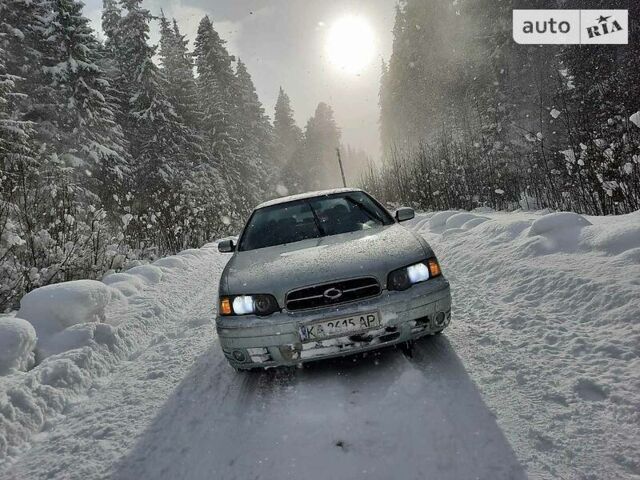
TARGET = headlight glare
(403,278)
(243,305)
(418,273)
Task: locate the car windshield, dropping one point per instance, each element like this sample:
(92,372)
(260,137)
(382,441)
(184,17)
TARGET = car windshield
(312,218)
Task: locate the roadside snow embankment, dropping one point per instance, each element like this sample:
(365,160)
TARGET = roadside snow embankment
(547,319)
(78,331)
(17,343)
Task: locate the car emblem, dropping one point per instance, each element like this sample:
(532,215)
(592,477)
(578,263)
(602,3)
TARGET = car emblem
(332,293)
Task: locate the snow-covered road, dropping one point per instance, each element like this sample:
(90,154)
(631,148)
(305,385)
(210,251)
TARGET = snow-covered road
(523,379)
(381,418)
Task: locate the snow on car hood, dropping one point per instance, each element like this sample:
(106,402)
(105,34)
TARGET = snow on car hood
(279,269)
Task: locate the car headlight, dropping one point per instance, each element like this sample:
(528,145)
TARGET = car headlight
(403,278)
(261,305)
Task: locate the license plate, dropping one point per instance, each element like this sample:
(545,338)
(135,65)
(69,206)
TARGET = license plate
(339,326)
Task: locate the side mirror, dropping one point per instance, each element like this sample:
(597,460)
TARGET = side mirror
(226,246)
(404,213)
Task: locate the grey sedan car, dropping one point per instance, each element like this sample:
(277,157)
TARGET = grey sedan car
(326,274)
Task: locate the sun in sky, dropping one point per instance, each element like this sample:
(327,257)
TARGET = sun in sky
(350,44)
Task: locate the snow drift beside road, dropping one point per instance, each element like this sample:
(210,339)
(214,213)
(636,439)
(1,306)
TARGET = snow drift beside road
(55,307)
(547,308)
(17,342)
(84,329)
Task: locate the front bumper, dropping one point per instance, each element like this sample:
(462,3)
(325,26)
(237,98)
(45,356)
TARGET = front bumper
(251,342)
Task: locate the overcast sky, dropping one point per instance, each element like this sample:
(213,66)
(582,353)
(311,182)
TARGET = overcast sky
(283,43)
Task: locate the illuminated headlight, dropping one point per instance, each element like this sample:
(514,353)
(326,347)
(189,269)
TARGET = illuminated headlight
(418,273)
(243,305)
(403,278)
(261,305)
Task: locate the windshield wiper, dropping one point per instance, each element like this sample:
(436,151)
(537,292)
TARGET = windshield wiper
(316,220)
(370,213)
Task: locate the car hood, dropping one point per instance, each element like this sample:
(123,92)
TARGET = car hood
(279,269)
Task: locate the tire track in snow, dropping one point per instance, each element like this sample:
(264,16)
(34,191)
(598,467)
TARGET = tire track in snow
(381,417)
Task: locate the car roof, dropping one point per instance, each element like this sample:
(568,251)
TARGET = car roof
(302,196)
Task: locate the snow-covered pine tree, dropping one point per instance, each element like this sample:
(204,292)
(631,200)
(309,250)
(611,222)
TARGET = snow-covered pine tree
(216,118)
(17,147)
(205,193)
(177,66)
(15,162)
(19,153)
(111,17)
(47,224)
(256,129)
(81,123)
(163,148)
(319,162)
(256,133)
(15,134)
(19,22)
(218,102)
(110,59)
(287,135)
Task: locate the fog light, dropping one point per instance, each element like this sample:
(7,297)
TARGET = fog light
(239,356)
(439,319)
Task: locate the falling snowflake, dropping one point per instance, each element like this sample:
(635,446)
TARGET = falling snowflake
(569,155)
(282,190)
(126,218)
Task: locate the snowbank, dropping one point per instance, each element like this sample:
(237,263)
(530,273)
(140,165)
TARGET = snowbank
(459,219)
(17,342)
(53,308)
(547,318)
(555,222)
(77,336)
(84,328)
(440,218)
(171,262)
(540,233)
(126,283)
(150,273)
(474,222)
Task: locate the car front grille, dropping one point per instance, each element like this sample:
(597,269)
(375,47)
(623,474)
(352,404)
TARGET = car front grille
(334,293)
